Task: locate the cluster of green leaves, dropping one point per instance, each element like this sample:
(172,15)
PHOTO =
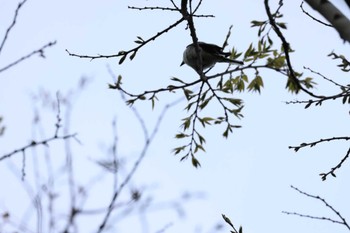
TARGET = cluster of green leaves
(276,58)
(228,221)
(133,52)
(262,55)
(344,65)
(197,102)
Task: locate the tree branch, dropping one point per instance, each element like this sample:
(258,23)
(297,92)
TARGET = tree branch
(39,51)
(12,24)
(339,21)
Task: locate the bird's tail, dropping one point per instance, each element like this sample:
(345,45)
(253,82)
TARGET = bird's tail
(225,59)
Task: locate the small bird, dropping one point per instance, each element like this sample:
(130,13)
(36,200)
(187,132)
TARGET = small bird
(211,54)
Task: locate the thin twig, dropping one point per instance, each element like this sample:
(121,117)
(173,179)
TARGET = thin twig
(317,20)
(123,54)
(286,49)
(324,77)
(12,24)
(342,222)
(44,142)
(39,51)
(152,8)
(149,137)
(333,169)
(312,144)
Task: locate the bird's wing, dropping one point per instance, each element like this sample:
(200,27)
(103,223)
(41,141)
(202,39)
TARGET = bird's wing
(210,48)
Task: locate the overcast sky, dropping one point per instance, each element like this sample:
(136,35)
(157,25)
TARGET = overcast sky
(247,176)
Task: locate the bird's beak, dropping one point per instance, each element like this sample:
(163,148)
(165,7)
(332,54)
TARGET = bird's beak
(182,63)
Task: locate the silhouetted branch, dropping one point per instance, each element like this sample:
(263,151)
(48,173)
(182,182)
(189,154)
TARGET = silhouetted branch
(324,77)
(312,144)
(286,48)
(339,21)
(152,8)
(342,220)
(39,51)
(12,24)
(333,169)
(124,54)
(317,20)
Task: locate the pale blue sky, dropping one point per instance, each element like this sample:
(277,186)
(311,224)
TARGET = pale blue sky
(246,176)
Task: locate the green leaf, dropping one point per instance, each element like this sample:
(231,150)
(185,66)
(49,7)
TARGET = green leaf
(177,80)
(204,103)
(201,138)
(256,84)
(227,131)
(227,220)
(308,104)
(256,23)
(282,25)
(195,162)
(188,93)
(187,123)
(119,81)
(236,102)
(122,59)
(198,146)
(344,99)
(133,55)
(138,41)
(293,85)
(177,150)
(152,103)
(207,120)
(237,112)
(181,135)
(249,50)
(188,107)
(130,102)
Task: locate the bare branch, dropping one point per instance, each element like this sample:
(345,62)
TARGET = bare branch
(333,169)
(148,140)
(311,144)
(39,51)
(339,21)
(342,220)
(324,77)
(317,20)
(152,8)
(124,54)
(12,24)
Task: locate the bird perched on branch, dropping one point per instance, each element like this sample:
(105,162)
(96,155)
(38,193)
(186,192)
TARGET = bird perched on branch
(210,53)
